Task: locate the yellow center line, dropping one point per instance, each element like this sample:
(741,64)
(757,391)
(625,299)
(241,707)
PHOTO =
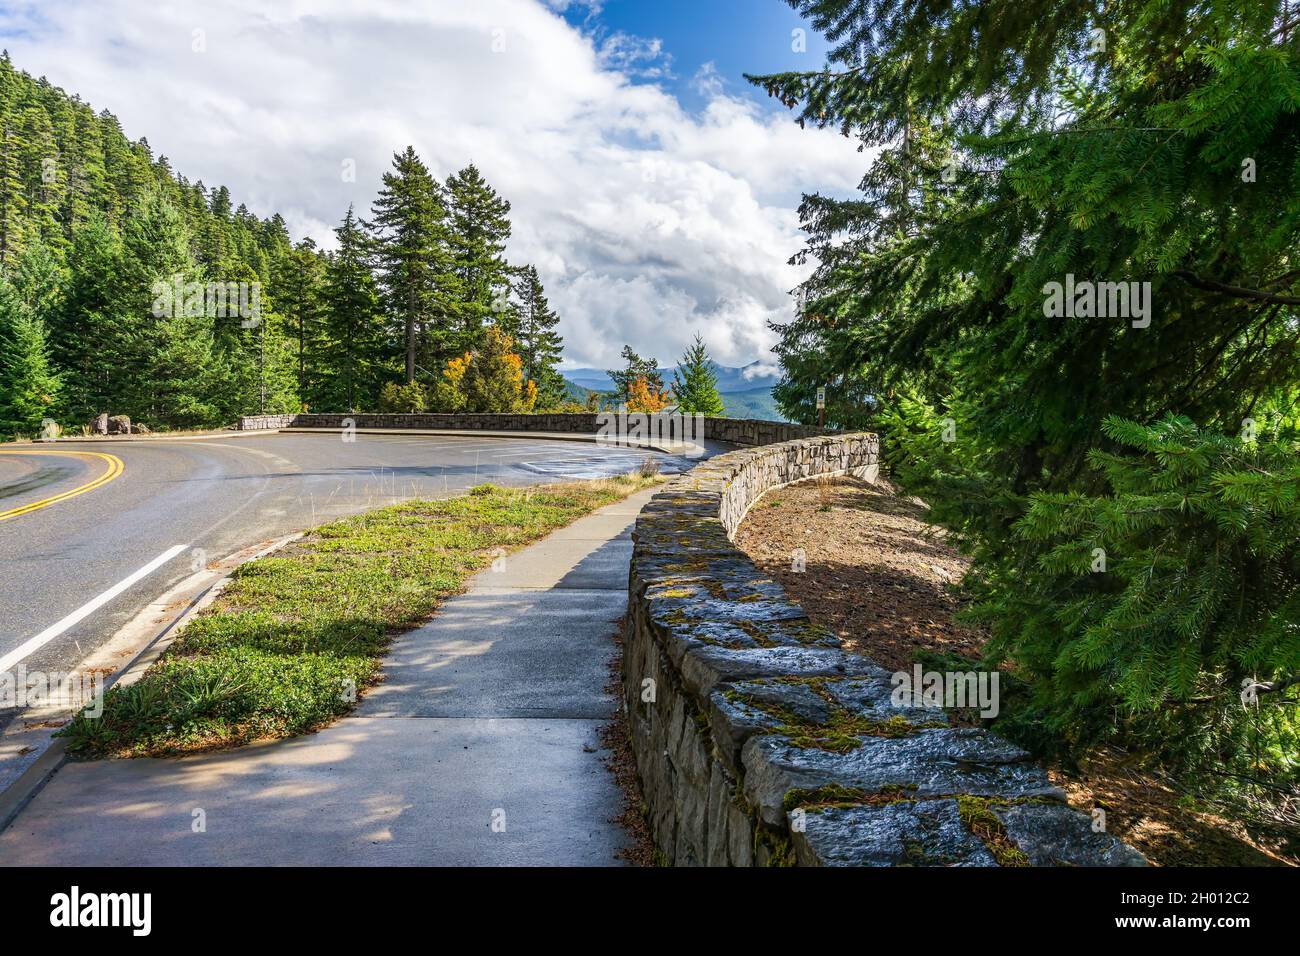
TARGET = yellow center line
(115,468)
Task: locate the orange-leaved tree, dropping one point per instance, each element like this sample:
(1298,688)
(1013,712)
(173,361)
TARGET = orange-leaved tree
(488,379)
(642,396)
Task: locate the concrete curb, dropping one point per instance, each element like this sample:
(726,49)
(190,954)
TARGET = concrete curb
(15,797)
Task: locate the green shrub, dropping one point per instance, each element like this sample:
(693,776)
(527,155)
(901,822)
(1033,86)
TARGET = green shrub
(409,399)
(1147,613)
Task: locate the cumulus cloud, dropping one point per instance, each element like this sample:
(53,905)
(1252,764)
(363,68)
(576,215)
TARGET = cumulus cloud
(647,221)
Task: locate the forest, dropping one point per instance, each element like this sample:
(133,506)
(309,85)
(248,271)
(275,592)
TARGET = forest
(1124,472)
(126,289)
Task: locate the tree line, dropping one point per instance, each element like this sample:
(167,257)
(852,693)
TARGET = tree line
(1126,483)
(93,227)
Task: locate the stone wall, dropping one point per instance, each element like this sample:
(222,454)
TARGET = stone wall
(759,741)
(737,431)
(251,423)
(577,423)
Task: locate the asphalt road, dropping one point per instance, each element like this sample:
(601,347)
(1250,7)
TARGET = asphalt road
(180,504)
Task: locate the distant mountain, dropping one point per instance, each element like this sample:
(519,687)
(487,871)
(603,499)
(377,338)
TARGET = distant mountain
(752,403)
(746,390)
(730,378)
(575,392)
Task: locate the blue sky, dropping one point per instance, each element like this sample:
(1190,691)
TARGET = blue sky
(736,36)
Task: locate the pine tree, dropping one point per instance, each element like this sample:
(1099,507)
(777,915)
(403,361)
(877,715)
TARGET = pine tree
(480,226)
(695,383)
(351,367)
(87,176)
(410,248)
(13,193)
(540,345)
(44,176)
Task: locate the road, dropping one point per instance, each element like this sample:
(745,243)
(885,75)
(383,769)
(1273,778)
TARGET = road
(179,504)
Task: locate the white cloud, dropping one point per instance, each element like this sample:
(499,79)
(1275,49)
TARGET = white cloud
(647,222)
(641,57)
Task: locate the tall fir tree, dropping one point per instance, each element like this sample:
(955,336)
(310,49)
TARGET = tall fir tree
(170,370)
(300,279)
(29,386)
(44,175)
(351,367)
(13,194)
(480,226)
(85,333)
(539,344)
(695,383)
(411,252)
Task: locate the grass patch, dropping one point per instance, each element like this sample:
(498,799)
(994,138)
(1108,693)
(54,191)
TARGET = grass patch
(293,639)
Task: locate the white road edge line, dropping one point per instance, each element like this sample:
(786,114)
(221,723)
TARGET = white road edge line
(90,607)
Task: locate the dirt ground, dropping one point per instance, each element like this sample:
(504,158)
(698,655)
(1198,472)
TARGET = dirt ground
(876,572)
(886,582)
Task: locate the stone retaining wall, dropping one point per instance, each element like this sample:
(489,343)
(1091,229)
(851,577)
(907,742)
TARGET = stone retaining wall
(759,741)
(737,431)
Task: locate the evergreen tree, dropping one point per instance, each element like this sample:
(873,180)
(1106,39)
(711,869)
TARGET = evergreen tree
(169,369)
(13,194)
(351,367)
(300,279)
(635,368)
(1019,148)
(695,383)
(540,345)
(43,174)
(1122,618)
(87,340)
(29,387)
(480,226)
(90,220)
(87,173)
(410,248)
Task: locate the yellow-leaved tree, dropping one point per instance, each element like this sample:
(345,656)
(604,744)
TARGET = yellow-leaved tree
(642,396)
(488,379)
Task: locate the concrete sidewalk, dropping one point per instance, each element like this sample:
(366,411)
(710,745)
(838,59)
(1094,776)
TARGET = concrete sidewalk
(480,748)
